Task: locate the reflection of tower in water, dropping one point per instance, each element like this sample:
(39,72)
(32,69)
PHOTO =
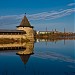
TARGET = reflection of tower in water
(24,58)
(24,50)
(25,54)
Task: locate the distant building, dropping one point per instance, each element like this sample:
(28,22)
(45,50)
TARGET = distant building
(46,32)
(24,30)
(43,32)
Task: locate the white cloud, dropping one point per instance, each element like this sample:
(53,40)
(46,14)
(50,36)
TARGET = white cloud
(14,19)
(71,4)
(51,15)
(43,15)
(11,16)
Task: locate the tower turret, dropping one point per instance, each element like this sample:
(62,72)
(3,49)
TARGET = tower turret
(25,25)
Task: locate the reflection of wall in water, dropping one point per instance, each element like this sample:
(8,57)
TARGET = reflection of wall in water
(51,40)
(29,48)
(24,52)
(12,46)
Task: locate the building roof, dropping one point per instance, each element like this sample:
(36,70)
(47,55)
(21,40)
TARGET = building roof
(11,31)
(25,23)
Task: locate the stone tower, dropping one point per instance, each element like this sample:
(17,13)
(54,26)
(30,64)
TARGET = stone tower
(25,25)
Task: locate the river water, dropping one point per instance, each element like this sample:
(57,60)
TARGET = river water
(42,58)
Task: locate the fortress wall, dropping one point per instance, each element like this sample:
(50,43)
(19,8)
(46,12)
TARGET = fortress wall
(13,36)
(29,32)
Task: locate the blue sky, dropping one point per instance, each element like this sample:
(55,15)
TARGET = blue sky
(53,14)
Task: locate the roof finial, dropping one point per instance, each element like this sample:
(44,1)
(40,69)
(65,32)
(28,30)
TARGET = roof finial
(25,14)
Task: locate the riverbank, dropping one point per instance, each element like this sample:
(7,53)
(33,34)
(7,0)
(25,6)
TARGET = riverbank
(55,36)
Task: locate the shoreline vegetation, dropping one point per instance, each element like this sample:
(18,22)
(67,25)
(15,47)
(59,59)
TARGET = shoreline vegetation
(8,40)
(55,36)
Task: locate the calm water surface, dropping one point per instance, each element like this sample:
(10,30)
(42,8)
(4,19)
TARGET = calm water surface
(49,58)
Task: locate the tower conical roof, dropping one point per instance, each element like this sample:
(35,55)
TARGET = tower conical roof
(25,23)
